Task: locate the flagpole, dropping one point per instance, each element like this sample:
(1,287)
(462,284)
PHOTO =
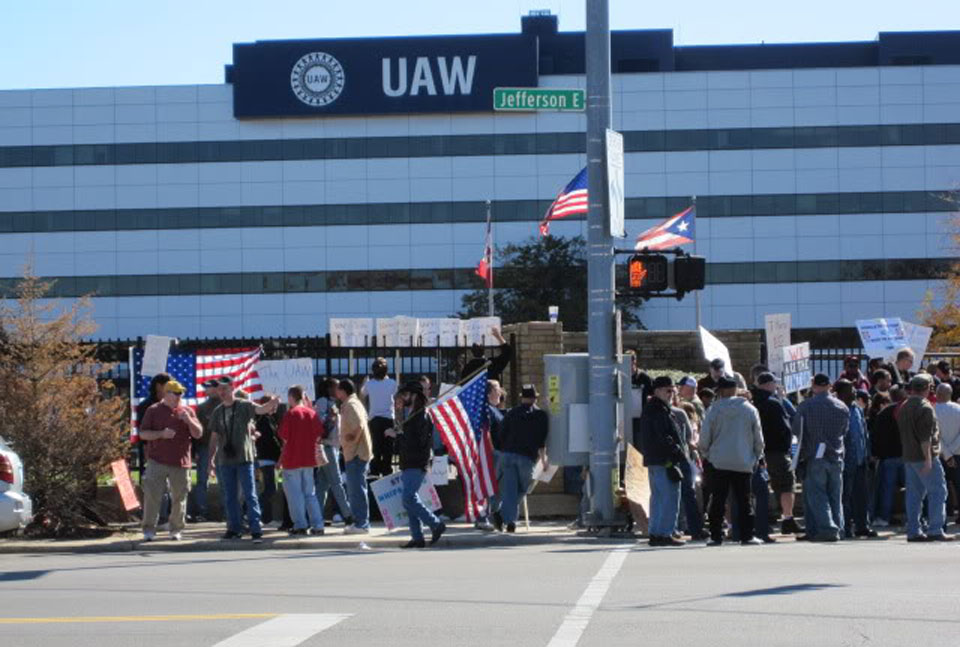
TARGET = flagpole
(490,260)
(696,293)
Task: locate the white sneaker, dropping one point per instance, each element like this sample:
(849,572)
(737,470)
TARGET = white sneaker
(353,530)
(881,523)
(273,525)
(176,536)
(149,535)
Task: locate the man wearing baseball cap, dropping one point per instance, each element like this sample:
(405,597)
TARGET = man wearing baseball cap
(687,390)
(717,369)
(168,426)
(821,424)
(920,437)
(523,440)
(201,450)
(777,440)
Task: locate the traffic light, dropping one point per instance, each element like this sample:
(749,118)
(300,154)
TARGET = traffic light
(689,273)
(648,272)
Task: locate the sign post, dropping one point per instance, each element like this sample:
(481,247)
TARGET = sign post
(614,146)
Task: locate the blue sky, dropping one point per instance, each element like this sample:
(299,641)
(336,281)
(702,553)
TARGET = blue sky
(83,43)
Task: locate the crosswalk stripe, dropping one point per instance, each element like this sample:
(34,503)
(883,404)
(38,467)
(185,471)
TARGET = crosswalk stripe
(288,630)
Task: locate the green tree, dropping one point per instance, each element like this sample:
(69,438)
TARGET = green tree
(538,273)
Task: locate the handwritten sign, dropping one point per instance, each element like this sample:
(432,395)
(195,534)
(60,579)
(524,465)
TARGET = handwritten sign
(155,355)
(121,475)
(429,332)
(351,333)
(408,330)
(387,332)
(480,330)
(918,338)
(451,332)
(388,493)
(796,367)
(882,337)
(277,376)
(777,337)
(440,470)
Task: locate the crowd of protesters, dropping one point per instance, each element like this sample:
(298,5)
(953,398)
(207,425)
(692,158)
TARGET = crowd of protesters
(332,444)
(852,444)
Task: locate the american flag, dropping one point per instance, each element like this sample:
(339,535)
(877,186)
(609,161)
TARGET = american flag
(191,369)
(464,424)
(572,200)
(675,230)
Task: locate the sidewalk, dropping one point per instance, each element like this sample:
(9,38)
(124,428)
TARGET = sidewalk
(206,537)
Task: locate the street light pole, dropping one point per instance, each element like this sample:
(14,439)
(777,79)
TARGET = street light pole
(600,267)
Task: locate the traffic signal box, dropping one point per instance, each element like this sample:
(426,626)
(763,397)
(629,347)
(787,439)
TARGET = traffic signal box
(652,274)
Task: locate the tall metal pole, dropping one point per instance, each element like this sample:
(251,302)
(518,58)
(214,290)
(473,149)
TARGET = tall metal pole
(696,293)
(489,251)
(600,267)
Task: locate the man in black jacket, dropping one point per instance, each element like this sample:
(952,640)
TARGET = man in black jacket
(416,441)
(660,441)
(497,364)
(777,439)
(523,441)
(887,449)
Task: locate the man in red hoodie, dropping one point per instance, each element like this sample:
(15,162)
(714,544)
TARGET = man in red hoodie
(300,431)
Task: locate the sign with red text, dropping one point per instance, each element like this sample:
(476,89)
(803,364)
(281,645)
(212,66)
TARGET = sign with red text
(796,367)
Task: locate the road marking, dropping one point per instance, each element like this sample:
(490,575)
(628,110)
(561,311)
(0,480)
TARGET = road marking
(287,630)
(90,619)
(575,622)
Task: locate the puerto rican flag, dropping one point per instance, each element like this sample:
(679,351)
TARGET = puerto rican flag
(571,201)
(675,230)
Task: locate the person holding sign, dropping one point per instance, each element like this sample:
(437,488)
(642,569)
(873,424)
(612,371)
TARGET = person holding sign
(168,427)
(821,424)
(415,442)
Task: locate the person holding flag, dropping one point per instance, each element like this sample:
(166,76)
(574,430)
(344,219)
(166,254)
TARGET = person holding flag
(415,443)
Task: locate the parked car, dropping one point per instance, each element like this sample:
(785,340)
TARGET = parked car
(16,508)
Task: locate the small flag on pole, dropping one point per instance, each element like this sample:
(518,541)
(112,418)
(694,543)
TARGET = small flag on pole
(675,230)
(485,266)
(571,201)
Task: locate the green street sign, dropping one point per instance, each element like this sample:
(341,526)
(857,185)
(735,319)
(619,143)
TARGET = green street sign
(533,99)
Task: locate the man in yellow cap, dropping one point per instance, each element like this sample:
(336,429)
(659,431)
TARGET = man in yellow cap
(168,428)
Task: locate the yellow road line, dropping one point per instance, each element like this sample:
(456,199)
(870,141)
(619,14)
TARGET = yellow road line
(89,619)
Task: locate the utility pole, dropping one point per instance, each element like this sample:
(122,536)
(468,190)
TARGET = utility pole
(600,268)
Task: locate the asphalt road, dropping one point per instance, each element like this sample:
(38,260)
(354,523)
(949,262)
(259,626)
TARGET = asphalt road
(853,593)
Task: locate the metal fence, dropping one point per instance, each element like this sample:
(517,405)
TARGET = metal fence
(830,360)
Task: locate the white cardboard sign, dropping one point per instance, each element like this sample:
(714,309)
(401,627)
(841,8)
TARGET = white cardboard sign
(451,332)
(351,333)
(918,338)
(408,331)
(155,355)
(440,470)
(882,337)
(388,493)
(278,375)
(713,349)
(777,337)
(429,332)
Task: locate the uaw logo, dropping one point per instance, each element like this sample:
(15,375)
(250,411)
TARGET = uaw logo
(317,79)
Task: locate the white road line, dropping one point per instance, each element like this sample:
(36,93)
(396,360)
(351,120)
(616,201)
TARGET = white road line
(575,622)
(288,630)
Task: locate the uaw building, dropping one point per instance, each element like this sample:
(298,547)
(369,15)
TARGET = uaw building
(348,178)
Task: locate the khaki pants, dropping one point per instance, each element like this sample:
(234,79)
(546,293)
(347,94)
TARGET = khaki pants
(154,483)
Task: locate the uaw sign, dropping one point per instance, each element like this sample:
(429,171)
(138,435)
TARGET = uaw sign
(378,76)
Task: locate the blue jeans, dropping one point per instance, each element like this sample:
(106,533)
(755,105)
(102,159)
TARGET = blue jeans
(493,504)
(301,492)
(202,458)
(823,499)
(933,485)
(242,474)
(328,478)
(269,473)
(855,493)
(517,473)
(688,499)
(890,476)
(417,513)
(357,491)
(664,502)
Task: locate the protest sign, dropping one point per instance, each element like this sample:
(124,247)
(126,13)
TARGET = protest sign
(351,333)
(796,367)
(777,336)
(408,330)
(440,470)
(918,338)
(544,475)
(882,337)
(451,332)
(636,483)
(480,330)
(713,349)
(121,475)
(387,332)
(429,332)
(388,493)
(277,376)
(155,355)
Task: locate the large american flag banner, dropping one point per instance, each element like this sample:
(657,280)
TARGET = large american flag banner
(464,423)
(572,200)
(675,230)
(192,369)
